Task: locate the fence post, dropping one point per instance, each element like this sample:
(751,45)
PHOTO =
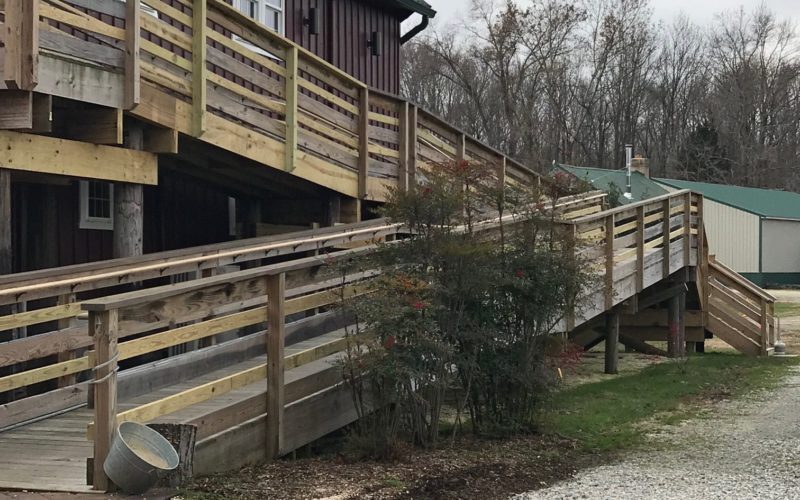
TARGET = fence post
(199,30)
(363,142)
(764,327)
(103,328)
(666,207)
(687,229)
(21,66)
(68,298)
(609,251)
(276,288)
(133,26)
(639,248)
(402,167)
(412,144)
(292,63)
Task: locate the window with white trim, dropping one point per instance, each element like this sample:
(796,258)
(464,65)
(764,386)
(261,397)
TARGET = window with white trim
(97,205)
(267,12)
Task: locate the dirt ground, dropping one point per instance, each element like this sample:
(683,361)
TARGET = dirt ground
(473,468)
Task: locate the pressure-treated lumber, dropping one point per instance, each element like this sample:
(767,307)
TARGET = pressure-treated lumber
(291,112)
(612,342)
(48,155)
(133,88)
(21,67)
(276,333)
(103,328)
(128,238)
(5,222)
(199,70)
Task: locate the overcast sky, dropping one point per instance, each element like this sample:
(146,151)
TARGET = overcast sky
(700,11)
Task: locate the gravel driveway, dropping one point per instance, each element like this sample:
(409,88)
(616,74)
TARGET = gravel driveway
(750,449)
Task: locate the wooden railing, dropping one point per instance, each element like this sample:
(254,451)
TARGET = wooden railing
(203,69)
(634,246)
(49,342)
(739,312)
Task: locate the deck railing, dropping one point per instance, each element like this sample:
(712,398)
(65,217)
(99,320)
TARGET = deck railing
(204,69)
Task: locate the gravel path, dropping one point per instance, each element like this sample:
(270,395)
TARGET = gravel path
(751,451)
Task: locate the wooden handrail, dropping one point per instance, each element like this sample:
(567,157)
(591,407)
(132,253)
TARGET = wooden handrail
(739,279)
(631,206)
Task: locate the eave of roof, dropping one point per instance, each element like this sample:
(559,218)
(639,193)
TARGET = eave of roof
(412,6)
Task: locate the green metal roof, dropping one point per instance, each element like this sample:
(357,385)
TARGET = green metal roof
(642,188)
(764,202)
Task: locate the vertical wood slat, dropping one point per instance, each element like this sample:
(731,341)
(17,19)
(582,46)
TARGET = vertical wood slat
(67,355)
(665,225)
(21,66)
(639,248)
(276,289)
(609,252)
(402,167)
(363,142)
(461,148)
(687,229)
(199,69)
(292,64)
(133,26)
(103,328)
(412,144)
(764,327)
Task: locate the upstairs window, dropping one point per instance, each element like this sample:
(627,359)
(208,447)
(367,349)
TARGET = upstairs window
(97,205)
(267,12)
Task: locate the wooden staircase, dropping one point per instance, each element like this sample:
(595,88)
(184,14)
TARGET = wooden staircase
(739,312)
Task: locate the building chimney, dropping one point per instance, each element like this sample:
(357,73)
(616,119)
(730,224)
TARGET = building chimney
(641,165)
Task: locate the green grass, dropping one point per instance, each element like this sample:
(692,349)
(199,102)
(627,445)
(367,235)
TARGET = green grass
(609,415)
(786,309)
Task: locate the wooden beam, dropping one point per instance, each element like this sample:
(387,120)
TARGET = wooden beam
(363,142)
(412,145)
(665,231)
(5,222)
(291,108)
(639,248)
(402,166)
(199,69)
(128,202)
(673,351)
(612,342)
(276,290)
(161,140)
(133,72)
(21,44)
(97,125)
(16,109)
(76,159)
(608,290)
(103,327)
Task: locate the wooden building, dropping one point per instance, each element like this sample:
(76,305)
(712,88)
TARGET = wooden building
(116,140)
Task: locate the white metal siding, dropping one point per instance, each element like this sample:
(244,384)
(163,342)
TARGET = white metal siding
(733,236)
(781,246)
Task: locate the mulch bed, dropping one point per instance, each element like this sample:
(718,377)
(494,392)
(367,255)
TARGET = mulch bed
(472,468)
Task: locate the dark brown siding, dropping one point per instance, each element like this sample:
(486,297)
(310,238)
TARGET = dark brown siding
(346,25)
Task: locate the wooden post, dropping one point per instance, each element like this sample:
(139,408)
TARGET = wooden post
(612,342)
(199,69)
(609,251)
(5,222)
(764,328)
(673,321)
(665,226)
(363,142)
(402,170)
(69,354)
(501,174)
(128,203)
(681,340)
(412,145)
(292,63)
(276,289)
(21,65)
(333,210)
(571,237)
(639,248)
(133,72)
(103,328)
(687,229)
(461,147)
